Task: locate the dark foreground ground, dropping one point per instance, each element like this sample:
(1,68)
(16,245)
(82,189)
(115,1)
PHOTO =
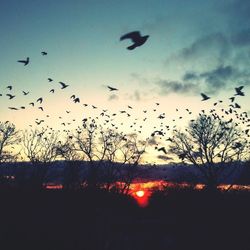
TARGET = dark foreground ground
(99,220)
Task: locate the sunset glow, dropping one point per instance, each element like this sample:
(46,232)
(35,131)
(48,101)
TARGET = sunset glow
(140,193)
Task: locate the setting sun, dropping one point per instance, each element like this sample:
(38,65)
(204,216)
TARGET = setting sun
(140,193)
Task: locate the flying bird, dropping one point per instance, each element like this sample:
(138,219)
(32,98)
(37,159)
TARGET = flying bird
(112,88)
(76,100)
(44,53)
(136,38)
(52,91)
(163,150)
(232,98)
(25,62)
(9,87)
(50,80)
(40,108)
(64,85)
(12,108)
(32,104)
(238,91)
(205,97)
(10,96)
(40,100)
(25,93)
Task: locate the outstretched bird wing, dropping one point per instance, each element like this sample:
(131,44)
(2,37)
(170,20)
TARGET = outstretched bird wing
(205,97)
(134,36)
(112,88)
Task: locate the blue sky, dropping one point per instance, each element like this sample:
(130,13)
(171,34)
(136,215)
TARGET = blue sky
(194,46)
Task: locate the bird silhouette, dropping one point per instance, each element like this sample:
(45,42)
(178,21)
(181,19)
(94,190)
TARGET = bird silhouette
(32,104)
(163,150)
(25,62)
(50,80)
(76,100)
(232,98)
(10,96)
(12,108)
(52,91)
(41,108)
(64,85)
(237,106)
(40,100)
(112,88)
(205,97)
(136,38)
(44,53)
(25,93)
(238,91)
(9,87)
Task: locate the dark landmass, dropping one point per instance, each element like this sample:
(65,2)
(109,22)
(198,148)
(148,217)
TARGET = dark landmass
(88,219)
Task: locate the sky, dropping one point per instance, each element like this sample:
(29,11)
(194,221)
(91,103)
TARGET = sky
(194,47)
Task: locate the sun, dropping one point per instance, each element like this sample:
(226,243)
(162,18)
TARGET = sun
(140,193)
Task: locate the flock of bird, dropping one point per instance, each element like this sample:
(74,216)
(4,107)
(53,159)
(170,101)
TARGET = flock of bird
(118,119)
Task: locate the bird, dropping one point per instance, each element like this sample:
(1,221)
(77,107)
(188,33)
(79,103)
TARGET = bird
(25,62)
(112,88)
(22,107)
(205,97)
(136,38)
(44,53)
(163,150)
(12,108)
(52,91)
(32,104)
(9,87)
(10,96)
(40,108)
(76,100)
(64,85)
(25,93)
(237,106)
(50,80)
(232,98)
(39,122)
(40,100)
(238,91)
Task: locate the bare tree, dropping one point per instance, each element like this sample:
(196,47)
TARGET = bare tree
(209,143)
(105,150)
(40,146)
(9,137)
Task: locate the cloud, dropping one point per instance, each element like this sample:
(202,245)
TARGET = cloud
(168,87)
(152,141)
(218,77)
(113,97)
(189,76)
(241,38)
(213,46)
(164,157)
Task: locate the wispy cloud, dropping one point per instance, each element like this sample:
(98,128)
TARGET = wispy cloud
(113,97)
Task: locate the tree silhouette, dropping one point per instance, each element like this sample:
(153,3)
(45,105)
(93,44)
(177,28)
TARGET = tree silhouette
(40,146)
(209,143)
(107,151)
(9,137)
